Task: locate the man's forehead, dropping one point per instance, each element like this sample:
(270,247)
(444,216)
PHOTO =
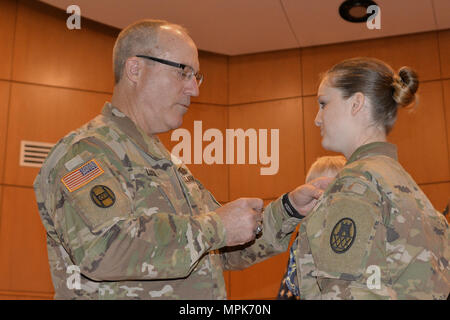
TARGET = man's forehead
(176,44)
(172,34)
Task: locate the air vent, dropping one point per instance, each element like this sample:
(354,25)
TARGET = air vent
(33,154)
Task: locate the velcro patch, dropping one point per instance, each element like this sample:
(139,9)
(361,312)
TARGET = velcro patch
(82,176)
(355,187)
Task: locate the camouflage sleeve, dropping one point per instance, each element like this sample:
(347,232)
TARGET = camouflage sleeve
(277,229)
(346,237)
(116,228)
(417,247)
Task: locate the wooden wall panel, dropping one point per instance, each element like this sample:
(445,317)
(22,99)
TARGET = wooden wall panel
(260,281)
(313,139)
(286,116)
(214,88)
(23,252)
(44,114)
(8,295)
(420,136)
(438,193)
(4,101)
(213,176)
(444,46)
(7,26)
(47,52)
(446,86)
(264,76)
(395,51)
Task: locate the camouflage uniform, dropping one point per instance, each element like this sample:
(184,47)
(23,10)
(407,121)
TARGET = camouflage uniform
(373,222)
(133,223)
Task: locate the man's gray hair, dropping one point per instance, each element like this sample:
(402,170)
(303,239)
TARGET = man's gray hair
(140,37)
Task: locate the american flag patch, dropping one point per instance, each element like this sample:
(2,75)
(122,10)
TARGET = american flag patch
(83,175)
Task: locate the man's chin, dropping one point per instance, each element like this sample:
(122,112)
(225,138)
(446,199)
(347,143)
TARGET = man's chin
(176,124)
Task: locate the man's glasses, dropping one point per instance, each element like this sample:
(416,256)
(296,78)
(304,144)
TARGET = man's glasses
(186,73)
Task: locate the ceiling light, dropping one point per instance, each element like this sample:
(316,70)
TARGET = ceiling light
(355,10)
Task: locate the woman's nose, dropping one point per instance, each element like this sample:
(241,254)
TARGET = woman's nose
(318,119)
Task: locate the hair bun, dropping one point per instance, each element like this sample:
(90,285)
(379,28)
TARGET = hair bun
(405,86)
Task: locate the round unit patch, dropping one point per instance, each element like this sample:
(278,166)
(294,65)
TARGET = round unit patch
(343,235)
(103,196)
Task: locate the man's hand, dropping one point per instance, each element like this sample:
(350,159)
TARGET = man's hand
(305,197)
(240,219)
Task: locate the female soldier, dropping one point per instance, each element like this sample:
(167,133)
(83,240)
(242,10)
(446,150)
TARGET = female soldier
(373,234)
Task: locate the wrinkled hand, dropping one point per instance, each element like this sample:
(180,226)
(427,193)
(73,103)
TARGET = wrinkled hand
(305,197)
(240,219)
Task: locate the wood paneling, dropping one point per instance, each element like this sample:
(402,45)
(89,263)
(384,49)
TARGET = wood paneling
(264,76)
(44,114)
(313,140)
(444,46)
(446,86)
(213,176)
(47,52)
(286,116)
(4,101)
(438,193)
(420,136)
(260,281)
(8,295)
(23,253)
(7,26)
(214,88)
(396,51)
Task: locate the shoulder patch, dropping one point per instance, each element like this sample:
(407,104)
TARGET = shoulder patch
(82,175)
(343,235)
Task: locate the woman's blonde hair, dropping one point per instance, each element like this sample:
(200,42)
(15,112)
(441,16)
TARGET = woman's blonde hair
(325,166)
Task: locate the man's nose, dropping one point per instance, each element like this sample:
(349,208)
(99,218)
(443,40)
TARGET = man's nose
(191,88)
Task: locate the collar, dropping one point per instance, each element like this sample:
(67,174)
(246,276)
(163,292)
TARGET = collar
(149,144)
(374,149)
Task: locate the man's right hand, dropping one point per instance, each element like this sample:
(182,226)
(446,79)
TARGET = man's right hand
(240,219)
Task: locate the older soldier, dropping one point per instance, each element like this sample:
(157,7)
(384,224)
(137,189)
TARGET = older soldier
(374,234)
(127,219)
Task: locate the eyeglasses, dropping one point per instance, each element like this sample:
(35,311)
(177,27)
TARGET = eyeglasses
(186,73)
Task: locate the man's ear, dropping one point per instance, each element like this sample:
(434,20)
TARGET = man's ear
(132,69)
(357,102)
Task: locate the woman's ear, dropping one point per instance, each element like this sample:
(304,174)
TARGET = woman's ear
(357,101)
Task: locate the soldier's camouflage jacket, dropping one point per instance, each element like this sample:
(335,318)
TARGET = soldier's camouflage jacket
(124,220)
(373,235)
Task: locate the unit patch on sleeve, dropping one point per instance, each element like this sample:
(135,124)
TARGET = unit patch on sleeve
(343,235)
(83,175)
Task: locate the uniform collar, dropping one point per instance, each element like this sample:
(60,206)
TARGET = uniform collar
(374,149)
(149,144)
